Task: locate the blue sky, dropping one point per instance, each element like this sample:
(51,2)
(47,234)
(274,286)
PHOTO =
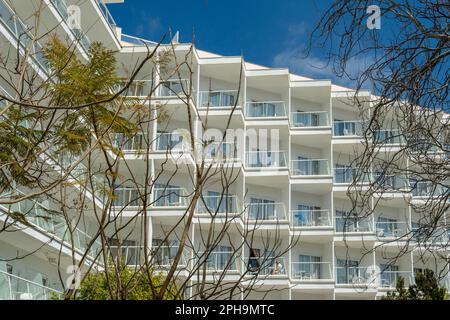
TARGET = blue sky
(267,32)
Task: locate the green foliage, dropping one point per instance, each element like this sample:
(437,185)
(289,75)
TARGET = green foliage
(426,287)
(124,284)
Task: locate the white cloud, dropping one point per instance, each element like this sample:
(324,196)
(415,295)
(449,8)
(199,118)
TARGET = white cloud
(294,57)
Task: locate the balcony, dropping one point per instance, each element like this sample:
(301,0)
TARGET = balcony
(309,119)
(310,167)
(170,196)
(171,142)
(266,266)
(218,261)
(131,256)
(128,144)
(127,197)
(61,8)
(392,229)
(388,278)
(311,218)
(392,182)
(164,255)
(173,88)
(137,88)
(107,15)
(348,223)
(221,205)
(348,128)
(306,271)
(21,34)
(221,152)
(217,99)
(349,175)
(266,109)
(353,275)
(13,287)
(266,211)
(388,137)
(43,218)
(266,159)
(428,189)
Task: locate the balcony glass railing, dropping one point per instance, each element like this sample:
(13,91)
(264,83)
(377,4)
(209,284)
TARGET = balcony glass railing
(127,144)
(219,261)
(353,275)
(62,8)
(163,256)
(13,287)
(266,266)
(171,141)
(108,17)
(269,109)
(311,270)
(392,182)
(174,87)
(429,236)
(311,218)
(422,189)
(266,159)
(217,99)
(127,197)
(22,34)
(309,119)
(170,197)
(310,167)
(388,137)
(225,204)
(352,224)
(266,211)
(43,218)
(388,279)
(347,128)
(391,229)
(138,88)
(129,255)
(348,175)
(221,151)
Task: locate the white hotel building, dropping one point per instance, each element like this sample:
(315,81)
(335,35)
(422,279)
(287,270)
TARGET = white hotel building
(301,187)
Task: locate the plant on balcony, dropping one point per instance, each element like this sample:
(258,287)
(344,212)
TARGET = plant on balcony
(426,287)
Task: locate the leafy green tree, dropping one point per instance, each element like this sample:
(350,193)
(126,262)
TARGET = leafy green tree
(426,287)
(122,283)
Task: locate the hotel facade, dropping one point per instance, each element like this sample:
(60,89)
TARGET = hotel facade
(294,184)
